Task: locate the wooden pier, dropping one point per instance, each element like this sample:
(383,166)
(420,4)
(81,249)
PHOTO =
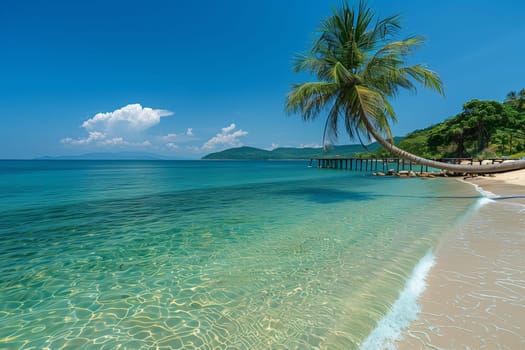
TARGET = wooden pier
(385,164)
(366,164)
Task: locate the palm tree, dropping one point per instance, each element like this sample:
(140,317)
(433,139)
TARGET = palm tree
(516,99)
(359,67)
(521,100)
(511,97)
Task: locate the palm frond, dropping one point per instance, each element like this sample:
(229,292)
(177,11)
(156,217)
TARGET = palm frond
(425,76)
(341,75)
(387,27)
(310,98)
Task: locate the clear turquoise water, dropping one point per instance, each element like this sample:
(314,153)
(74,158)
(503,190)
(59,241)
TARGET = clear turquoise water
(210,255)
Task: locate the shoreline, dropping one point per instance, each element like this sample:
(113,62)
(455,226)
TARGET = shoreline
(475,295)
(505,186)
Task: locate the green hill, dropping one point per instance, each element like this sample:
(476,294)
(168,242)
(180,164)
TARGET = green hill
(252,153)
(483,129)
(240,153)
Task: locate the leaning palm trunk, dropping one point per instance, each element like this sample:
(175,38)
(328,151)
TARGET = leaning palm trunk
(457,168)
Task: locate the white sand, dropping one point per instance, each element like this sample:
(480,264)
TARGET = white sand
(511,178)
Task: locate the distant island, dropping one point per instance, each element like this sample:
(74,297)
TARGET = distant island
(253,153)
(108,156)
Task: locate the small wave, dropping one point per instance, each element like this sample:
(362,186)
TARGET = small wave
(484,193)
(487,196)
(404,310)
(482,201)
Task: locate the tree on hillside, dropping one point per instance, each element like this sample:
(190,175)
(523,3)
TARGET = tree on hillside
(483,127)
(520,101)
(511,97)
(516,99)
(481,119)
(457,136)
(359,67)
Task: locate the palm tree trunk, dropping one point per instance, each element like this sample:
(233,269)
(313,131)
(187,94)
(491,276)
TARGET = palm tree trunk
(457,168)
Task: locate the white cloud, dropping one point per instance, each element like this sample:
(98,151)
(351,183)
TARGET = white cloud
(120,127)
(272,147)
(131,117)
(114,141)
(228,128)
(227,137)
(310,145)
(194,149)
(128,128)
(93,136)
(177,138)
(168,137)
(120,141)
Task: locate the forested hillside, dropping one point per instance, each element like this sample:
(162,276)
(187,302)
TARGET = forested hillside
(252,153)
(483,129)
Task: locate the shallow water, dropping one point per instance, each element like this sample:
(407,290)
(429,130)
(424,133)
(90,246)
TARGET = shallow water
(194,254)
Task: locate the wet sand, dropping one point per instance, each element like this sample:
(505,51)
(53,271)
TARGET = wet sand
(475,296)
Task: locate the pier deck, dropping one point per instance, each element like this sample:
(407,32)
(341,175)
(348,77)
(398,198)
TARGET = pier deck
(384,164)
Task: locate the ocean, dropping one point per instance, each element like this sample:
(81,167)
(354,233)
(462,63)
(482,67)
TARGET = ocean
(214,254)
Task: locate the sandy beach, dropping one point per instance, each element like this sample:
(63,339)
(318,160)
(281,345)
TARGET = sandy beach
(475,295)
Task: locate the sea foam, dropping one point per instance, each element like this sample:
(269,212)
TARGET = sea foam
(487,195)
(404,310)
(484,193)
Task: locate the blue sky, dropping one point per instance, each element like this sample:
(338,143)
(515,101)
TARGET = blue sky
(183,78)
